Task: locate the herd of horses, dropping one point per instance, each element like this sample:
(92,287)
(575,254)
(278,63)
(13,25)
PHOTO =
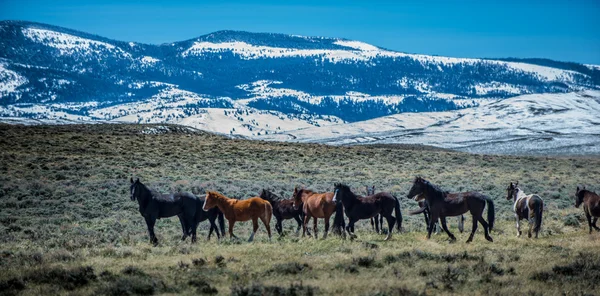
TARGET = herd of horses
(434,203)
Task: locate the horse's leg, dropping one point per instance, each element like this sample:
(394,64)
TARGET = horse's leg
(381,222)
(254,228)
(350,228)
(297,218)
(183,228)
(326,227)
(518,225)
(486,228)
(231,223)
(306,219)
(445,228)
(315,227)
(213,226)
(432,223)
(266,221)
(279,226)
(594,224)
(531,221)
(150,223)
(390,220)
(194,228)
(461,223)
(589,218)
(473,229)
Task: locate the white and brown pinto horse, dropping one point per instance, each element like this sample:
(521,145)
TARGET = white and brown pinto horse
(530,207)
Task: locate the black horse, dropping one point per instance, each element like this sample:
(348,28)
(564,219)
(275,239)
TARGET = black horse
(443,204)
(201,215)
(377,221)
(424,209)
(283,209)
(356,208)
(154,205)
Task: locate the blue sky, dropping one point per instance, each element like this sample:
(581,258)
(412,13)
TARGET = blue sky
(561,30)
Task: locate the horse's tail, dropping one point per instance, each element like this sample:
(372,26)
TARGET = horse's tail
(221,219)
(268,212)
(398,214)
(538,209)
(339,224)
(491,212)
(419,211)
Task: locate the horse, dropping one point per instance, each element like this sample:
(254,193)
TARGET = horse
(530,207)
(153,205)
(591,206)
(283,209)
(377,221)
(443,204)
(356,208)
(424,209)
(318,205)
(241,210)
(200,216)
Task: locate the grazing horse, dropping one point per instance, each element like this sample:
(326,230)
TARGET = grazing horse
(377,221)
(443,204)
(356,208)
(241,210)
(316,205)
(283,209)
(424,209)
(211,216)
(530,207)
(153,205)
(591,206)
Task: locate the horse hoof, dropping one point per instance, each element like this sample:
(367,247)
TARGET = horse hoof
(469,241)
(489,238)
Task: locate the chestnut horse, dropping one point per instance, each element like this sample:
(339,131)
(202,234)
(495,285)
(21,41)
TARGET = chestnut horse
(443,204)
(316,205)
(591,206)
(530,207)
(241,210)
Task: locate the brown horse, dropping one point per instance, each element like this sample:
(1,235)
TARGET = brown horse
(443,204)
(241,210)
(591,206)
(283,209)
(530,207)
(314,205)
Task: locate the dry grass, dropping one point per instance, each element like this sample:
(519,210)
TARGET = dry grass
(68,226)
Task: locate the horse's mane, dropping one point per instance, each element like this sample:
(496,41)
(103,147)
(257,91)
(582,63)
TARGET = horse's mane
(436,191)
(217,194)
(270,196)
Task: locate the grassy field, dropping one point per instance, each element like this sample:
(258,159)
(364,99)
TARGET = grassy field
(68,226)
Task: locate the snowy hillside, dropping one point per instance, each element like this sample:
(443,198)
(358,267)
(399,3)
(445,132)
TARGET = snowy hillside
(527,124)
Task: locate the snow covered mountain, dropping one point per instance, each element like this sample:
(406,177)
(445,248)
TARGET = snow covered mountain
(251,84)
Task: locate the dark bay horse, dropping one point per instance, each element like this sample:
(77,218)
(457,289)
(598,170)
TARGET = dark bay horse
(153,205)
(356,208)
(200,216)
(377,221)
(424,209)
(529,207)
(443,204)
(254,208)
(318,205)
(591,206)
(283,209)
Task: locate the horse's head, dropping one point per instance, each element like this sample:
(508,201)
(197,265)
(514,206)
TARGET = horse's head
(512,190)
(340,191)
(370,190)
(210,201)
(134,188)
(579,194)
(297,197)
(417,188)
